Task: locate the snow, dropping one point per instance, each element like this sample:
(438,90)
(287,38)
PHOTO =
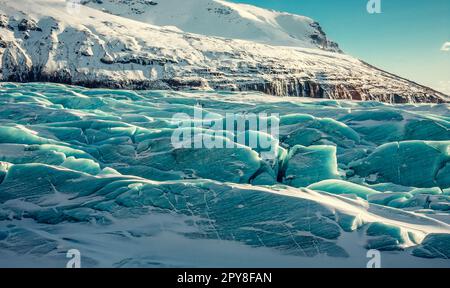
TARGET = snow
(224,19)
(96,169)
(44,41)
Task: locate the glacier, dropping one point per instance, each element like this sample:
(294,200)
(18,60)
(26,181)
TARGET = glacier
(95,170)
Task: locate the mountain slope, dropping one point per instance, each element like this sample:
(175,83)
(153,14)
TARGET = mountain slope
(44,41)
(224,19)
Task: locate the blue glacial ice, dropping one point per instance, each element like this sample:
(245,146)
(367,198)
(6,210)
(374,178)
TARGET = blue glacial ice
(96,170)
(307,165)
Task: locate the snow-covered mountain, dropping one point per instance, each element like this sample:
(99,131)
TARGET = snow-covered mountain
(52,41)
(224,19)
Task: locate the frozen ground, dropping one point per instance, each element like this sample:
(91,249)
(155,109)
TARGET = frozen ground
(94,170)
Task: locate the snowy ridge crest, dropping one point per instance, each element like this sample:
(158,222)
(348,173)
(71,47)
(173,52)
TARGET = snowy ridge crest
(223,19)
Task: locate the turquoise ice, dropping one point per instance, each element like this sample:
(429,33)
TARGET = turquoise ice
(102,163)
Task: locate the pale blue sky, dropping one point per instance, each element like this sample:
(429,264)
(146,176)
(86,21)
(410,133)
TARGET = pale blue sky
(406,38)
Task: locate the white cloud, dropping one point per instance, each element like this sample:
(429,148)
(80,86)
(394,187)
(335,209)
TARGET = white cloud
(446,47)
(444,87)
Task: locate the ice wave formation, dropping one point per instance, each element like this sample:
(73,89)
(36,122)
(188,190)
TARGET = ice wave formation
(94,170)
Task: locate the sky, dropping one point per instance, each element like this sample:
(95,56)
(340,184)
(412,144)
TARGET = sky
(410,38)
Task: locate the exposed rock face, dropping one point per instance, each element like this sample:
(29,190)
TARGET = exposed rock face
(95,49)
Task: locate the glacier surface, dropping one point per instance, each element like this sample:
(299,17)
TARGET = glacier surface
(95,170)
